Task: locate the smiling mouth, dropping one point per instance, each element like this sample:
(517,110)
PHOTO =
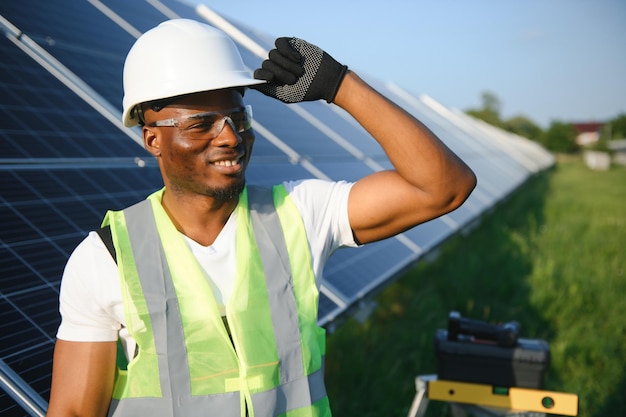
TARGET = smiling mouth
(227,163)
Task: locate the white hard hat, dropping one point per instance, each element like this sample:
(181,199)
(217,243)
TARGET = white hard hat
(180,56)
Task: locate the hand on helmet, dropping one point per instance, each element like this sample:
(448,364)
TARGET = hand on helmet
(299,71)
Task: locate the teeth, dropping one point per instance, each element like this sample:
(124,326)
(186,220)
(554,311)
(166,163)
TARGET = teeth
(227,163)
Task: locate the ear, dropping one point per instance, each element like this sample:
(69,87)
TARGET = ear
(151,141)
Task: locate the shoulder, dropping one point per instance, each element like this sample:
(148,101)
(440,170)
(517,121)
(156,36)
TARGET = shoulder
(90,267)
(91,249)
(323,206)
(89,293)
(317,193)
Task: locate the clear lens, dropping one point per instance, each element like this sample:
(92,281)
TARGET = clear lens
(209,125)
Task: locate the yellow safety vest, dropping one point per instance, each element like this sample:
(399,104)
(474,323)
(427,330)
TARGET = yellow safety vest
(187,364)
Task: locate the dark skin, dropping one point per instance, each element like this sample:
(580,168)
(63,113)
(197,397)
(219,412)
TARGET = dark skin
(427,181)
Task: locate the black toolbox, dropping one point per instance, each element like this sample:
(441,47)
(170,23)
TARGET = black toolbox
(477,352)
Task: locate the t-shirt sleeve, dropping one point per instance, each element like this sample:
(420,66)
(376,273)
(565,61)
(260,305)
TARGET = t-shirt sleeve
(323,206)
(86,301)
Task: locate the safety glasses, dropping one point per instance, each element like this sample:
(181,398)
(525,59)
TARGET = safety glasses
(209,125)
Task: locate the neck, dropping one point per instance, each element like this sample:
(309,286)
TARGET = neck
(198,217)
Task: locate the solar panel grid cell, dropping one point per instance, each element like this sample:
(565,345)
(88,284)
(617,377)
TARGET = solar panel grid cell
(34,366)
(350,271)
(89,45)
(35,363)
(16,336)
(38,261)
(270,173)
(37,306)
(52,122)
(137,13)
(430,234)
(464,214)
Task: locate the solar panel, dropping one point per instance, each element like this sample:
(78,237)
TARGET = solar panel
(65,160)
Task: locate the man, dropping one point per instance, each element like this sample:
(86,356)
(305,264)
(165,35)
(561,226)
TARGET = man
(210,305)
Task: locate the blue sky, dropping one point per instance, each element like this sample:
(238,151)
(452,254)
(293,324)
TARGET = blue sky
(545,59)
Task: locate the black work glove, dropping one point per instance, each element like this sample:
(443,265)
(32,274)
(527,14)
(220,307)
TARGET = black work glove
(299,71)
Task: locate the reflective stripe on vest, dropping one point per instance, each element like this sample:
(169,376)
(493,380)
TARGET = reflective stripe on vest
(186,365)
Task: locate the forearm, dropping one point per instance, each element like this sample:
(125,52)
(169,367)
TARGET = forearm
(416,153)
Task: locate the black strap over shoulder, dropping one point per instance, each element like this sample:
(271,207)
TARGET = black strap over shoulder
(107,239)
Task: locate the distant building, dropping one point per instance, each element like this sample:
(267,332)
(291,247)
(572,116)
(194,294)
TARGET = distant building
(588,133)
(618,147)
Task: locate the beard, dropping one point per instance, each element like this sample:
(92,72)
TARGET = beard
(230,192)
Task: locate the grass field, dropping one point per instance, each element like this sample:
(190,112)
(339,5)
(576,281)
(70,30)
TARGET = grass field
(551,257)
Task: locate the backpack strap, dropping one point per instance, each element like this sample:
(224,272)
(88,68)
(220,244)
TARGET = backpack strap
(107,239)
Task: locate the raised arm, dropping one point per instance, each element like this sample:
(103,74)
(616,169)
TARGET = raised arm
(428,179)
(82,378)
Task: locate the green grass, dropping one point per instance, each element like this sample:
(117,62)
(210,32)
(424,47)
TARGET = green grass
(550,257)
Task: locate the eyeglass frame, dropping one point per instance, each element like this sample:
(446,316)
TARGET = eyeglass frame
(176,121)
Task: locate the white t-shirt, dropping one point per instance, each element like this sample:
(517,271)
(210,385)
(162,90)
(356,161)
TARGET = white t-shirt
(91,305)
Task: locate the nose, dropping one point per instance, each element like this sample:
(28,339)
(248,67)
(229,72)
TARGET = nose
(228,136)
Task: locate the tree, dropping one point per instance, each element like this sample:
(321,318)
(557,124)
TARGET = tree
(490,111)
(560,137)
(521,125)
(617,127)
